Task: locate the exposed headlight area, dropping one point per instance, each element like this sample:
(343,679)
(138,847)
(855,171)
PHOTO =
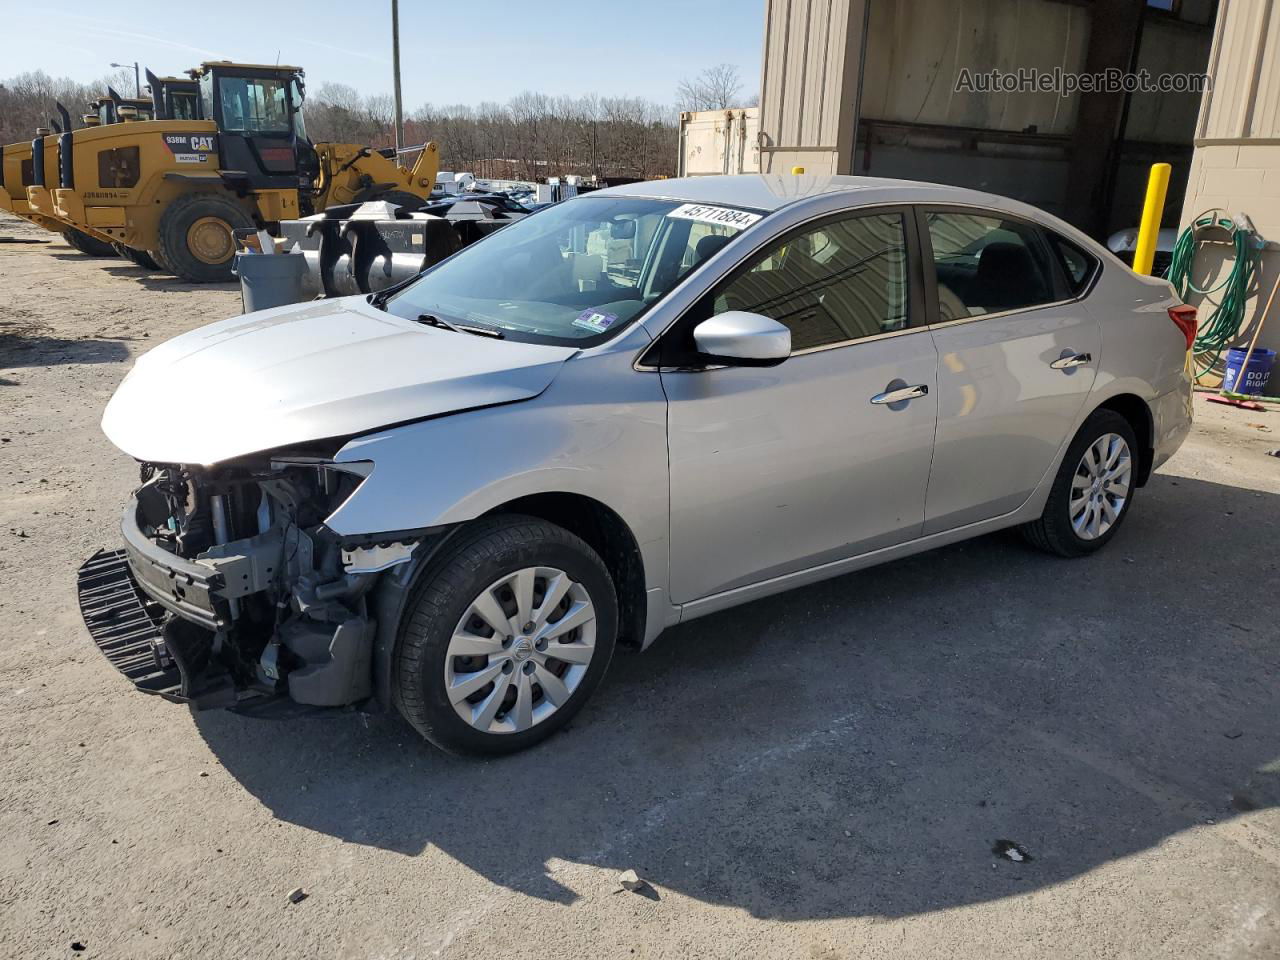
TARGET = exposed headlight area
(252,594)
(188,510)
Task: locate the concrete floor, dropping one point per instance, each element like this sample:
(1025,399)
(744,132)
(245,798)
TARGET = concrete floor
(822,774)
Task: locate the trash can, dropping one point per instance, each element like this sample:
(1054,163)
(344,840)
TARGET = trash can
(1255,378)
(270,279)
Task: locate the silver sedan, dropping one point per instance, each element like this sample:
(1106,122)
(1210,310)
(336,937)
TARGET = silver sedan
(454,498)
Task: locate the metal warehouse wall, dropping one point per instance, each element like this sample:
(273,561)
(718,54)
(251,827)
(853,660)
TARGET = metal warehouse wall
(911,73)
(1244,103)
(913,123)
(808,84)
(1236,166)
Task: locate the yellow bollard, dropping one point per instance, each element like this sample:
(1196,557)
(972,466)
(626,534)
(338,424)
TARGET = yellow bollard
(1152,211)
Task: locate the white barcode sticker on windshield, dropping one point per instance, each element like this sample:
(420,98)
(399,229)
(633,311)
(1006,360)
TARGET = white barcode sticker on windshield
(725,216)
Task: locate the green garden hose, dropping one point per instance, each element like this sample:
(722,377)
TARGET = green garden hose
(1223,325)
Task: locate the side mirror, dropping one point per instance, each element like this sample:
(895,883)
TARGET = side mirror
(741,339)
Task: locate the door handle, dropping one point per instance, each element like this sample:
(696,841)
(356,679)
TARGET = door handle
(901,394)
(1075,360)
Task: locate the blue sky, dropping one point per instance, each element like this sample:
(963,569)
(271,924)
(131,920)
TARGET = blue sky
(451,52)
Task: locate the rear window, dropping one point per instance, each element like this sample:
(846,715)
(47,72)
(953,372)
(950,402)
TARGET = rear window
(987,263)
(1077,265)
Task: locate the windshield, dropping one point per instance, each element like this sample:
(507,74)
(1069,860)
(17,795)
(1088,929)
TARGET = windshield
(254,105)
(184,106)
(579,271)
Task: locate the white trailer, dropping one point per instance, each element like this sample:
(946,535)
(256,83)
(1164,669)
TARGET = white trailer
(719,141)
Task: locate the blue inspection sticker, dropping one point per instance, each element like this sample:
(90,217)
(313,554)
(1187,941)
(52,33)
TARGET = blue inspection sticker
(595,321)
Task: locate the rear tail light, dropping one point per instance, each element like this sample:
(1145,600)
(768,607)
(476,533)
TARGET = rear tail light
(1184,318)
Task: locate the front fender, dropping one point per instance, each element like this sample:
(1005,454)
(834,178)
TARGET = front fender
(598,431)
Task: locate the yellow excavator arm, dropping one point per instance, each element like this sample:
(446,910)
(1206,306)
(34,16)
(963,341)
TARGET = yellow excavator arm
(427,166)
(351,173)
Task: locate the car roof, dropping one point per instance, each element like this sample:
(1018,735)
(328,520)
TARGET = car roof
(762,191)
(772,191)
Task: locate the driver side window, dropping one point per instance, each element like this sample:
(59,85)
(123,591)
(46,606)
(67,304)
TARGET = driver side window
(835,283)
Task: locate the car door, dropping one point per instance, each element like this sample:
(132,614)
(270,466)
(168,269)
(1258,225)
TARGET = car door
(1017,357)
(778,469)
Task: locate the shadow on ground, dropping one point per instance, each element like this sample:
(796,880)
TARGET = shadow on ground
(144,277)
(858,747)
(159,280)
(76,257)
(27,345)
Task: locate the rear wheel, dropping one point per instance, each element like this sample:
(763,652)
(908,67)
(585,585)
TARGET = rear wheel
(90,246)
(1093,491)
(509,633)
(197,236)
(139,257)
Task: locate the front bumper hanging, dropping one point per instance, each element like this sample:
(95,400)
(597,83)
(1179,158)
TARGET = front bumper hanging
(126,626)
(158,652)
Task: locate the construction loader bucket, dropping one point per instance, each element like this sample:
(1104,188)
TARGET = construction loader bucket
(346,257)
(360,249)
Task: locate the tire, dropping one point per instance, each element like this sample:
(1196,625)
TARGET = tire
(442,608)
(210,219)
(144,259)
(405,199)
(139,257)
(89,246)
(1054,532)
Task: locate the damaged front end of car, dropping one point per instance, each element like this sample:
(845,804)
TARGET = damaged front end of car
(230,590)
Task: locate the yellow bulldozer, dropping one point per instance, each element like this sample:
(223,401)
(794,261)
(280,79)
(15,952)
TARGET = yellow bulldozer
(25,183)
(179,189)
(25,168)
(114,108)
(174,98)
(29,171)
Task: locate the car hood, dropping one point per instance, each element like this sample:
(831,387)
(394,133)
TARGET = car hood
(310,371)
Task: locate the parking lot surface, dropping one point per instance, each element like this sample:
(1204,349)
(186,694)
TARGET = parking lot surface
(835,772)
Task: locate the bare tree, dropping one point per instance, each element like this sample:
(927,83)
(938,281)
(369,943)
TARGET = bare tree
(715,88)
(532,136)
(30,100)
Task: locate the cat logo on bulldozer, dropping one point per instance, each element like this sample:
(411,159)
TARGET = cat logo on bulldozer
(191,147)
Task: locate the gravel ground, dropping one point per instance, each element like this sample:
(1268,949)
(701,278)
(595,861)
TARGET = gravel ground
(822,774)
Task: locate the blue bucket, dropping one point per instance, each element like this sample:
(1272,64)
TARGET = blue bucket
(1255,378)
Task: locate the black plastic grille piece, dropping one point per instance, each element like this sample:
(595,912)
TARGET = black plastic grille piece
(128,634)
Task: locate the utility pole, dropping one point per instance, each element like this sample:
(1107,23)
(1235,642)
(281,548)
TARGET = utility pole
(137,79)
(395,69)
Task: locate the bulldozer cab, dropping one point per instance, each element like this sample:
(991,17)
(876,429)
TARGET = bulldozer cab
(174,98)
(114,108)
(262,143)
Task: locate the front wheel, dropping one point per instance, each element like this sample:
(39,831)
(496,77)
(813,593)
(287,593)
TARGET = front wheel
(505,639)
(1093,491)
(196,239)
